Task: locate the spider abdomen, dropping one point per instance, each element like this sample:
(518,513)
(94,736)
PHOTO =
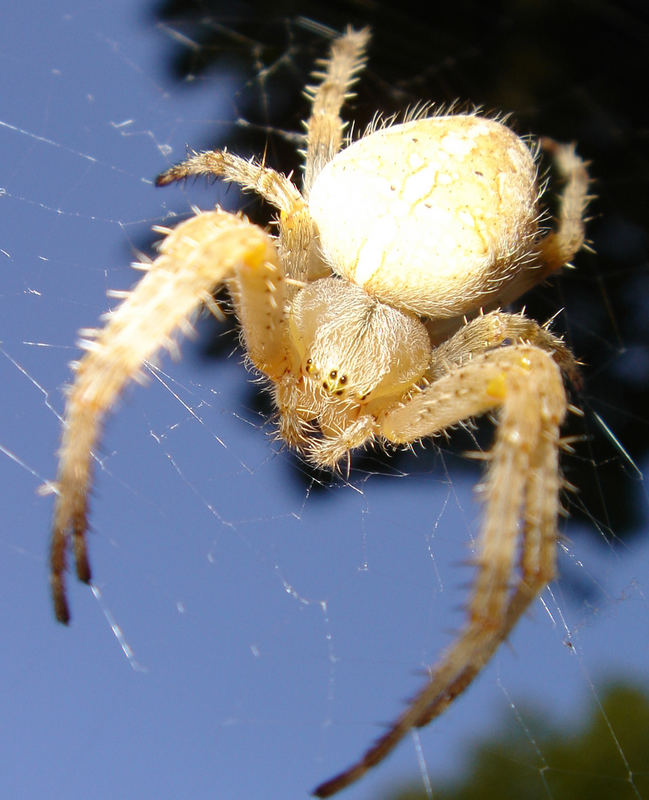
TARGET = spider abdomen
(432,215)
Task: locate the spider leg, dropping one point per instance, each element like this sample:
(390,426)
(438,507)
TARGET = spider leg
(324,128)
(296,232)
(559,246)
(329,451)
(489,331)
(537,559)
(522,482)
(272,186)
(194,259)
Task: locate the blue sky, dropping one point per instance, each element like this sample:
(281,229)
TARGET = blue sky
(273,623)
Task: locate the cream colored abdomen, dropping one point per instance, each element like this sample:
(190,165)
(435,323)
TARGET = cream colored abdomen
(431,215)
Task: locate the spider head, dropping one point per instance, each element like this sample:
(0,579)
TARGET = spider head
(354,348)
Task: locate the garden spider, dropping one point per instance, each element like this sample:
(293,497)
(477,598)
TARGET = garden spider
(373,314)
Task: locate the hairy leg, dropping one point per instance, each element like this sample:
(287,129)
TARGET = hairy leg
(324,129)
(272,186)
(490,331)
(559,246)
(566,240)
(296,233)
(194,259)
(522,482)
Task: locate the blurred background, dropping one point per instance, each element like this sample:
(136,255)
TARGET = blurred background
(254,622)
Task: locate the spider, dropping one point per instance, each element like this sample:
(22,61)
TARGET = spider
(374,314)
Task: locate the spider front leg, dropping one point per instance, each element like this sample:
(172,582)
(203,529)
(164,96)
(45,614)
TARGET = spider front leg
(522,485)
(194,259)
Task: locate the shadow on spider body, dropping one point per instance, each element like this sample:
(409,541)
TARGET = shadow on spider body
(373,315)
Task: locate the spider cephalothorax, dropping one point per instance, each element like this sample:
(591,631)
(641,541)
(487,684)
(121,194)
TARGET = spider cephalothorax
(373,315)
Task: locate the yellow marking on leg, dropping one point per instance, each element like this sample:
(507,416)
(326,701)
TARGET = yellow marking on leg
(255,257)
(497,387)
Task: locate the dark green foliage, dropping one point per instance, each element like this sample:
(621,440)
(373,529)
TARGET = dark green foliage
(605,757)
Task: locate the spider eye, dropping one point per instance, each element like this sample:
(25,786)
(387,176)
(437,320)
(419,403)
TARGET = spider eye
(332,382)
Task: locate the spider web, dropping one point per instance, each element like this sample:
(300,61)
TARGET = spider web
(254,621)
